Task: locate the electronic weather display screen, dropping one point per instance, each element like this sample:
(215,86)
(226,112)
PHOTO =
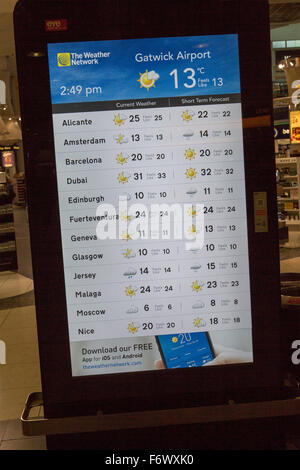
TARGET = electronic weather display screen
(151,187)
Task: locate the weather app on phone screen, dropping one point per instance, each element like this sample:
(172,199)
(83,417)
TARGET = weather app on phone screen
(185,350)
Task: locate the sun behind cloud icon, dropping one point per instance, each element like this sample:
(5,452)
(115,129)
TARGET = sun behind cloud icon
(132,328)
(125,236)
(128,253)
(119,119)
(192,211)
(147,79)
(121,159)
(187,116)
(130,291)
(196,287)
(122,178)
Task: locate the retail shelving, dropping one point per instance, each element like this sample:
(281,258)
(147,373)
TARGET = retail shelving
(8,254)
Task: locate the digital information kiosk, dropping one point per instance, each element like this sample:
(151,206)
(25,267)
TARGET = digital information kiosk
(149,160)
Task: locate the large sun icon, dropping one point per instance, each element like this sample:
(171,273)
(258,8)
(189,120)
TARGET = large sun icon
(190,154)
(196,287)
(132,328)
(186,116)
(174,339)
(121,159)
(147,79)
(130,291)
(191,173)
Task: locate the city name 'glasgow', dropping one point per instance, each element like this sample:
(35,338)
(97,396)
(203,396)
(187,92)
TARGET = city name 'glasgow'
(92,141)
(87,256)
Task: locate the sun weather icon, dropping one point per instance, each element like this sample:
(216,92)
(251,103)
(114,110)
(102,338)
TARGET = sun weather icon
(126,236)
(192,229)
(120,139)
(191,173)
(199,322)
(125,217)
(128,253)
(121,159)
(147,79)
(192,211)
(190,154)
(132,328)
(130,291)
(175,339)
(122,178)
(196,287)
(120,119)
(187,116)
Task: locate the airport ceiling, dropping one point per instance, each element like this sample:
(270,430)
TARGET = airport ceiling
(282,13)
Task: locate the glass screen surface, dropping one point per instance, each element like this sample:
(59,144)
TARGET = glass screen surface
(151,186)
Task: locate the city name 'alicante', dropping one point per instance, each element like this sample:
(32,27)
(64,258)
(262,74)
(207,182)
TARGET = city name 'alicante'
(79,122)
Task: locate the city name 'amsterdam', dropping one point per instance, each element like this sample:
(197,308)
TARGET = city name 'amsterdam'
(92,141)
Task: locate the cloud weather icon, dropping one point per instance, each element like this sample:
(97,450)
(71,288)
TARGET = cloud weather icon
(130,272)
(132,309)
(121,139)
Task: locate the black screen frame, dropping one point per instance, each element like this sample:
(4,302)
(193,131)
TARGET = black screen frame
(67,395)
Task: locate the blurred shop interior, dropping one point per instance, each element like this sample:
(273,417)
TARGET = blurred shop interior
(17,315)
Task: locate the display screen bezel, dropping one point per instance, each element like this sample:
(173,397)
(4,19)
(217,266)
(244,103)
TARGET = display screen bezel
(138,387)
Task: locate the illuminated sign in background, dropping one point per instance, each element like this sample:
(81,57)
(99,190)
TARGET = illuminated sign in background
(295,127)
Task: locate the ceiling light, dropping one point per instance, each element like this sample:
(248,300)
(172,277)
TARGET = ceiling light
(36,54)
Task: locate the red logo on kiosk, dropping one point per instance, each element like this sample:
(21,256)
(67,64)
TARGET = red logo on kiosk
(56,25)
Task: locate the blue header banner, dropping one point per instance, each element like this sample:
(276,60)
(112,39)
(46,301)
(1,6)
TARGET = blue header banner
(144,68)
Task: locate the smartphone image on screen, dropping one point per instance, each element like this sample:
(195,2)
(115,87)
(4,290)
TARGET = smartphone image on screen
(185,350)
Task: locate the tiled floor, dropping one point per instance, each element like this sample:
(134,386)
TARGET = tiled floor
(20,375)
(12,438)
(19,368)
(13,284)
(290,265)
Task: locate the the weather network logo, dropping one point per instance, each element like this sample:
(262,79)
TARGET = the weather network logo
(64,59)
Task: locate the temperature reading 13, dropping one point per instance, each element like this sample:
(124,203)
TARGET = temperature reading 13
(193,78)
(190,76)
(218,81)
